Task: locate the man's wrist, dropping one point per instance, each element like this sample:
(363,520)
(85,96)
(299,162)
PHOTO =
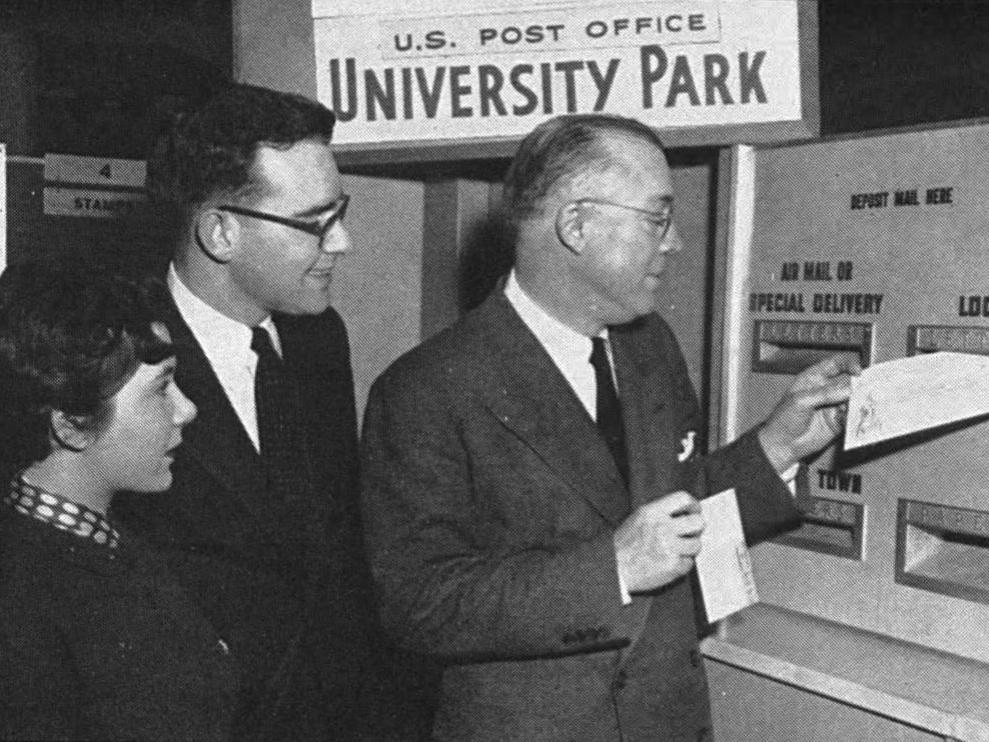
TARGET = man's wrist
(779,453)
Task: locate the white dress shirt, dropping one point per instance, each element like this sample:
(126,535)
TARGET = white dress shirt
(570,351)
(227,346)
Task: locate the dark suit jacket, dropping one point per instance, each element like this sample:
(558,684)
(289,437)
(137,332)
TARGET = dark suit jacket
(490,504)
(94,647)
(286,583)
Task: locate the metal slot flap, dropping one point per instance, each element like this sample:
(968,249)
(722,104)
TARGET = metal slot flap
(790,346)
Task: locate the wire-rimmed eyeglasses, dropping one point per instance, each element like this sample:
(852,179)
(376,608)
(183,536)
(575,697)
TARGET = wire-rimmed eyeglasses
(663,219)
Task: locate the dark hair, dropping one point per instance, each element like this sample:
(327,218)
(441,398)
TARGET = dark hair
(70,338)
(209,151)
(560,149)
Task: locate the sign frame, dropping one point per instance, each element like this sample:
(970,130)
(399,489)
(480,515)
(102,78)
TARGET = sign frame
(79,186)
(491,147)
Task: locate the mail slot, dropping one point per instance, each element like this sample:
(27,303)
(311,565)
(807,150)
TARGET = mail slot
(943,549)
(830,527)
(936,338)
(790,346)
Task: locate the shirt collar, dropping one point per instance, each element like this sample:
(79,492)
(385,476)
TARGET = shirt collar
(61,513)
(555,336)
(219,335)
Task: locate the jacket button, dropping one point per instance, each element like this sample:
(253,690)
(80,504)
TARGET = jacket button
(695,658)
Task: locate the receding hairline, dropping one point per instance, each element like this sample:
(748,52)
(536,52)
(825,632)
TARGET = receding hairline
(565,150)
(606,155)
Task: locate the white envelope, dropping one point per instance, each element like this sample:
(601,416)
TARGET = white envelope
(910,394)
(724,567)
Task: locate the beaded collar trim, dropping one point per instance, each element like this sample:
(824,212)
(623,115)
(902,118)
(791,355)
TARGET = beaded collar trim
(57,511)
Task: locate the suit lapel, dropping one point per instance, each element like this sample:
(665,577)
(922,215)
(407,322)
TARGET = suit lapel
(643,383)
(531,398)
(649,416)
(305,372)
(216,438)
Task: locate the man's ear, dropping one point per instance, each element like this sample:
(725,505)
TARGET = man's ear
(217,233)
(70,431)
(570,226)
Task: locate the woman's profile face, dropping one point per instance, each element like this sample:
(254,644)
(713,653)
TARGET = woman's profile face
(135,449)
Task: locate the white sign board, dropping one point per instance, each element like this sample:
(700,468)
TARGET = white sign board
(91,203)
(93,187)
(431,72)
(99,171)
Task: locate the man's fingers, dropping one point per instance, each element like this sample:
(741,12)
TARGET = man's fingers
(830,370)
(836,365)
(826,394)
(688,546)
(835,417)
(690,525)
(677,502)
(832,393)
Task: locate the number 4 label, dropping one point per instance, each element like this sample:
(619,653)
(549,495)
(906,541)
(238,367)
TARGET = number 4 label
(94,171)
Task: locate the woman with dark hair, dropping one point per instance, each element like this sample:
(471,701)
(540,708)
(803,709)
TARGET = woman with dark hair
(96,640)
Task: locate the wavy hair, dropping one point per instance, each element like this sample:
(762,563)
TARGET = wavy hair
(70,338)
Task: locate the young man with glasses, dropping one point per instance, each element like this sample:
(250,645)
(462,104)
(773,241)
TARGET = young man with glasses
(261,523)
(530,480)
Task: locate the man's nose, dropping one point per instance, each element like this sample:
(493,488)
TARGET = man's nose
(336,241)
(671,240)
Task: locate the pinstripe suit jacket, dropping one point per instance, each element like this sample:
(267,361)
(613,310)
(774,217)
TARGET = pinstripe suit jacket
(490,502)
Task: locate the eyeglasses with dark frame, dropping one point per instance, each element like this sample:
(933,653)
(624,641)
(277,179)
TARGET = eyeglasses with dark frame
(662,219)
(337,211)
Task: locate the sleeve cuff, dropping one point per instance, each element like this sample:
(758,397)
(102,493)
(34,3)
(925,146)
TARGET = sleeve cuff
(622,589)
(789,478)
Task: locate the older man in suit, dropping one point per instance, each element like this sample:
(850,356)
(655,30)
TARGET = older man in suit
(530,479)
(261,523)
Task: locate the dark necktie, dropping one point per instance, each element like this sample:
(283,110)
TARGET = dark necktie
(609,412)
(278,419)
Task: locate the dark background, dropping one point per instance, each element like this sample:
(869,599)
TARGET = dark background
(889,63)
(91,77)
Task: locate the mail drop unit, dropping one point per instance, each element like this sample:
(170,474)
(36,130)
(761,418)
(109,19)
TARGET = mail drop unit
(875,247)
